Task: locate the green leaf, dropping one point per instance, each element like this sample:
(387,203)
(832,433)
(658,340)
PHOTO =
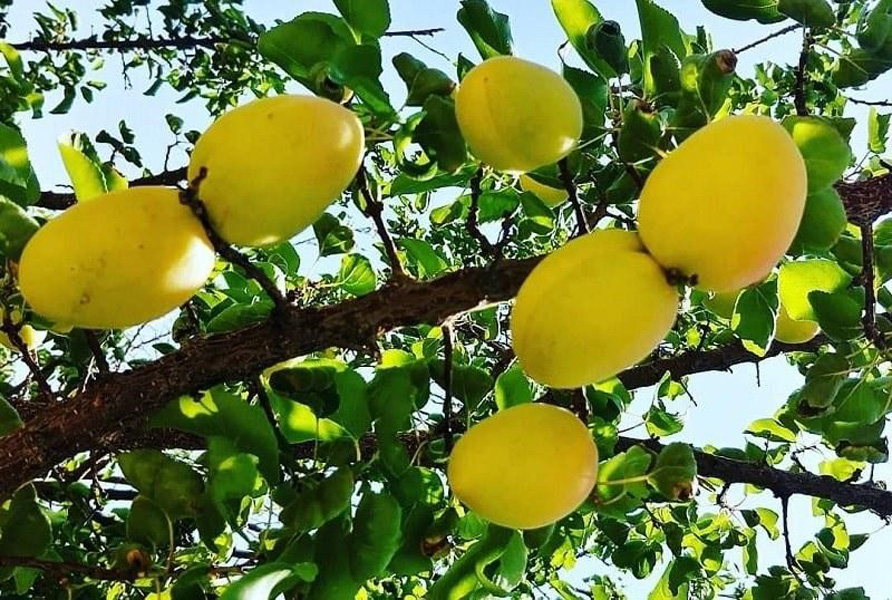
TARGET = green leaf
(660,422)
(771,429)
(370,17)
(25,530)
(637,556)
(539,217)
(220,414)
(630,468)
(333,237)
(797,280)
(18,182)
(311,382)
(764,518)
(422,255)
(512,388)
(753,319)
(304,42)
(489,30)
(16,228)
(239,316)
(823,221)
(577,17)
(674,471)
(877,131)
(232,475)
(357,276)
(826,153)
(84,172)
(469,383)
(823,380)
(9,418)
(839,313)
(763,11)
(439,136)
(316,506)
(359,68)
(607,39)
(811,13)
(874,26)
(659,28)
(376,535)
(147,523)
(592,92)
(858,66)
(173,485)
(267,582)
(421,80)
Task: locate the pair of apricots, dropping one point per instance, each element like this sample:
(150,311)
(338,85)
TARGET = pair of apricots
(714,209)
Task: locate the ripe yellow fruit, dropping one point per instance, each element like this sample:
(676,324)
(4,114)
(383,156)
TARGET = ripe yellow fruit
(274,165)
(516,115)
(116,260)
(726,204)
(722,304)
(590,309)
(525,467)
(793,332)
(32,337)
(547,194)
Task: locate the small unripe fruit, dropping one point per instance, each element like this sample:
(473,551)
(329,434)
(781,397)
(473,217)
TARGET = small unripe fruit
(718,209)
(525,467)
(590,309)
(273,166)
(551,196)
(516,115)
(116,260)
(793,332)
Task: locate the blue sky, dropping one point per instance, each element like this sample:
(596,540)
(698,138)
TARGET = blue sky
(726,402)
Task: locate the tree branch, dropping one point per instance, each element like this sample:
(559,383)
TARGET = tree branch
(799,99)
(573,195)
(868,319)
(374,209)
(61,201)
(767,38)
(64,569)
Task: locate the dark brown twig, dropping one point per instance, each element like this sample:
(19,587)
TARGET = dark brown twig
(472,224)
(788,549)
(868,319)
(142,43)
(799,100)
(870,102)
(190,197)
(12,332)
(767,38)
(415,32)
(63,569)
(374,209)
(448,351)
(573,195)
(97,351)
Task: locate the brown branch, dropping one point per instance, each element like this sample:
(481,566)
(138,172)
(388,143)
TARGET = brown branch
(799,99)
(97,351)
(63,569)
(447,386)
(140,43)
(414,32)
(767,38)
(868,319)
(788,549)
(573,195)
(12,332)
(472,224)
(374,209)
(61,201)
(190,197)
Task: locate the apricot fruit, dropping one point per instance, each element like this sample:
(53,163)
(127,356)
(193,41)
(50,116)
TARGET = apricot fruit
(517,115)
(551,196)
(524,467)
(116,260)
(722,304)
(273,166)
(726,204)
(590,309)
(790,331)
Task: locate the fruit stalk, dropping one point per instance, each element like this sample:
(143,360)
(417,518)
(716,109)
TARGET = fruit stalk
(572,194)
(190,197)
(374,209)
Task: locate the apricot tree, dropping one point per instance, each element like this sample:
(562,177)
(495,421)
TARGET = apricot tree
(288,431)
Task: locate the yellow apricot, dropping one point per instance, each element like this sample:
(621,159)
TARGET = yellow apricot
(32,337)
(516,115)
(117,260)
(722,304)
(726,204)
(790,331)
(549,195)
(524,467)
(274,165)
(590,309)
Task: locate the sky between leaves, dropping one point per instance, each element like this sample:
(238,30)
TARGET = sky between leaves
(726,403)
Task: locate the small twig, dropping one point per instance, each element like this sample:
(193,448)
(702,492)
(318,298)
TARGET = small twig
(12,332)
(62,569)
(570,185)
(788,549)
(472,224)
(255,386)
(448,351)
(93,43)
(869,102)
(190,197)
(98,352)
(868,319)
(374,209)
(414,32)
(769,37)
(799,89)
